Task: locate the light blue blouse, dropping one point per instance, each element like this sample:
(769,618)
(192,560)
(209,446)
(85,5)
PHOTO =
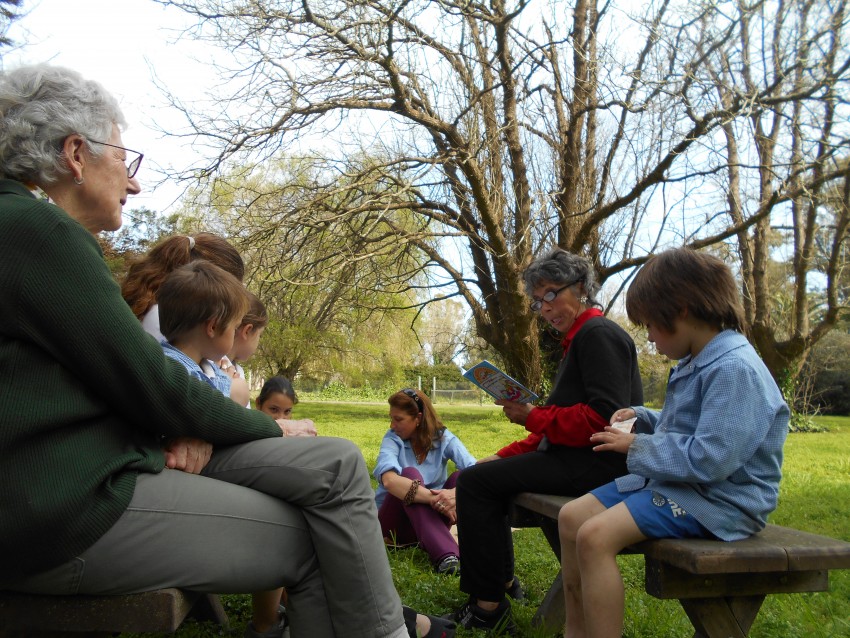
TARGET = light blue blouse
(220,381)
(715,448)
(396,454)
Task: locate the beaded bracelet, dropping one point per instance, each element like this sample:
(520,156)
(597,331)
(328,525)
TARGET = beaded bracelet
(411,493)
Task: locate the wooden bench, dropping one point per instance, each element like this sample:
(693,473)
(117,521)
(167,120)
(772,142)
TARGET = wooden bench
(721,585)
(163,610)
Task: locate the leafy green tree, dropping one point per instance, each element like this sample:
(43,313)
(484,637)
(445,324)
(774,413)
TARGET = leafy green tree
(142,229)
(329,287)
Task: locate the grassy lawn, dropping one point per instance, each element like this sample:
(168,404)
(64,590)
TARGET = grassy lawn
(815,494)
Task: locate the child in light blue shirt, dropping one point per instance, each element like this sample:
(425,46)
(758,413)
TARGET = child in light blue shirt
(201,306)
(707,465)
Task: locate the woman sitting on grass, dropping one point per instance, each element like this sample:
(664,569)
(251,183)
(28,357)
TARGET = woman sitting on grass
(416,499)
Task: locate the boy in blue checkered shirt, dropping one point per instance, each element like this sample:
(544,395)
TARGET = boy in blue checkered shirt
(706,466)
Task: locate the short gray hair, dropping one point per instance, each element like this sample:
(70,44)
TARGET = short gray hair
(40,106)
(562,267)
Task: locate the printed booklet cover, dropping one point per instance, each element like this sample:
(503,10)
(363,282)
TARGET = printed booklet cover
(497,384)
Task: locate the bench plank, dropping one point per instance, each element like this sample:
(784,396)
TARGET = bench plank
(163,610)
(773,549)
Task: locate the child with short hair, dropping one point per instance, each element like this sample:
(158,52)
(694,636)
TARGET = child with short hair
(200,307)
(147,272)
(247,338)
(277,398)
(707,465)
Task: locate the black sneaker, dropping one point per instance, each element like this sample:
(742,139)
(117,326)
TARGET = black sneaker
(440,627)
(515,590)
(449,565)
(499,622)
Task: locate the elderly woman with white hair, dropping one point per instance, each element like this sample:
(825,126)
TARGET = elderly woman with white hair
(87,397)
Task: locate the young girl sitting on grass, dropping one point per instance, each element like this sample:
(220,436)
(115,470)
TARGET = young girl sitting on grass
(277,398)
(706,466)
(246,339)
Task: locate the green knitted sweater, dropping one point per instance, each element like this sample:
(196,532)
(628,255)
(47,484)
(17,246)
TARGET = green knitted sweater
(85,393)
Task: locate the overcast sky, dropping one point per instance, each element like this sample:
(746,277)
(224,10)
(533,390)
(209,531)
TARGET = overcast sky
(120,43)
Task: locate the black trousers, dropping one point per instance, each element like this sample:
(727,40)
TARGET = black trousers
(484,492)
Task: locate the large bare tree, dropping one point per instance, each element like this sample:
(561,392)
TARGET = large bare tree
(504,127)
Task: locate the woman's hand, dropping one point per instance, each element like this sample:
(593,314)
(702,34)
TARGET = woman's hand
(515,411)
(301,427)
(487,459)
(445,503)
(187,454)
(612,440)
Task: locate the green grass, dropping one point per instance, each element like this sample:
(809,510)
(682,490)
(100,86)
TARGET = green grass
(814,496)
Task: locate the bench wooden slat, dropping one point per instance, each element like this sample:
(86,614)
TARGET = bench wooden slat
(156,611)
(773,549)
(664,581)
(546,504)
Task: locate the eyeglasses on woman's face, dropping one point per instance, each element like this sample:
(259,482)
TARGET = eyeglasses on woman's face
(549,297)
(133,166)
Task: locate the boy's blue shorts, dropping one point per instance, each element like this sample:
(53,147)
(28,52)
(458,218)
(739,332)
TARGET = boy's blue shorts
(655,515)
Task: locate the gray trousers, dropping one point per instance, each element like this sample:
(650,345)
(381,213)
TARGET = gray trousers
(295,512)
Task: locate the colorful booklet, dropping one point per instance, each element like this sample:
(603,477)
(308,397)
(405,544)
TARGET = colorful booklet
(498,384)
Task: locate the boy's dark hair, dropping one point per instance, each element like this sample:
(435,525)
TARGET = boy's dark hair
(257,314)
(681,279)
(276,384)
(197,292)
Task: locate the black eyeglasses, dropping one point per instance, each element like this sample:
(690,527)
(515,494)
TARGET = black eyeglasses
(132,167)
(412,394)
(549,297)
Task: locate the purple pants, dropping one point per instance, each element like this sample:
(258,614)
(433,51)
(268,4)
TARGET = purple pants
(418,523)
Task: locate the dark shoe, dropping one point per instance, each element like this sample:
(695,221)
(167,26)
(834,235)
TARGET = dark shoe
(515,591)
(449,565)
(499,622)
(440,627)
(281,630)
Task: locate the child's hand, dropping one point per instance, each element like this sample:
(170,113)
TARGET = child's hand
(301,427)
(612,440)
(623,414)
